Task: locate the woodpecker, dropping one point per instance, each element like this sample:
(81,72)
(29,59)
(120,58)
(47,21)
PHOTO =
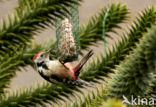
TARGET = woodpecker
(56,71)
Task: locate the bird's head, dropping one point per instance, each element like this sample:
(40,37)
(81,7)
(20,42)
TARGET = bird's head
(41,56)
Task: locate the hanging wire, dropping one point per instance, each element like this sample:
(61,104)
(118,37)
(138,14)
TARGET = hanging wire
(104,30)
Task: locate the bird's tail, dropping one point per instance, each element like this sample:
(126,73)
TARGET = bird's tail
(78,68)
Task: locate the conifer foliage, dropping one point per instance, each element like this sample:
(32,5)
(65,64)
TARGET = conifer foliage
(128,68)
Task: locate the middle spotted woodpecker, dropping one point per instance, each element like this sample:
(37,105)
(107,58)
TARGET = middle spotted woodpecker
(56,71)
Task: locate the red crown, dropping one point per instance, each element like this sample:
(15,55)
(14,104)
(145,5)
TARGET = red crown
(36,55)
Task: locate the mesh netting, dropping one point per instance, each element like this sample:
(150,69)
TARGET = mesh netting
(67,37)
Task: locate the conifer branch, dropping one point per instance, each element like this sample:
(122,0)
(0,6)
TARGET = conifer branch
(18,32)
(28,20)
(91,33)
(134,75)
(121,49)
(25,96)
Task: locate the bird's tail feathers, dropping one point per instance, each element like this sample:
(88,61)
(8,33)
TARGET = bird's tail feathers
(86,57)
(82,62)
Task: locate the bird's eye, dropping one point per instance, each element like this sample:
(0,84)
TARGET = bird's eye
(41,55)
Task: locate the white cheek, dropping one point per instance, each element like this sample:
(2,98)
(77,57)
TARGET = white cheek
(38,59)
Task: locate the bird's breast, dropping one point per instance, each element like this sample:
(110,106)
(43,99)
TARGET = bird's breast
(57,69)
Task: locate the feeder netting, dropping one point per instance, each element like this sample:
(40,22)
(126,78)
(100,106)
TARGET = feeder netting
(67,36)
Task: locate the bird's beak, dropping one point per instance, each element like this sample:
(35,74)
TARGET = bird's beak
(47,52)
